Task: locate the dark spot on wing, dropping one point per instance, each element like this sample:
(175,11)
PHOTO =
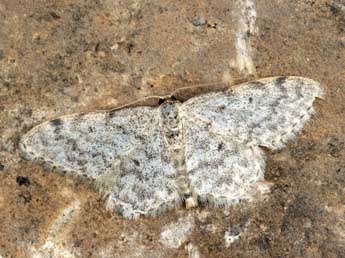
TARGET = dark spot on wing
(220,146)
(58,136)
(136,162)
(257,84)
(81,163)
(112,113)
(80,116)
(73,144)
(77,119)
(56,122)
(280,81)
(221,108)
(250,99)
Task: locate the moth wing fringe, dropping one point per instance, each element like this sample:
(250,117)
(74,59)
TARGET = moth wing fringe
(114,204)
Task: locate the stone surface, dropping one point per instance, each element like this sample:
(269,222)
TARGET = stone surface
(63,57)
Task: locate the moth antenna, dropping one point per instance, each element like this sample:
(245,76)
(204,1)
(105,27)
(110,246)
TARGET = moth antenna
(198,86)
(172,95)
(140,100)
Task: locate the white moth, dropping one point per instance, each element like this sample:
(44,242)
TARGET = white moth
(205,150)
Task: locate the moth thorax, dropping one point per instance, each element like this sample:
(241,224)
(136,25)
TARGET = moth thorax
(183,185)
(170,122)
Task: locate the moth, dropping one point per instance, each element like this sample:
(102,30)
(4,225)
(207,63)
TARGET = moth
(205,150)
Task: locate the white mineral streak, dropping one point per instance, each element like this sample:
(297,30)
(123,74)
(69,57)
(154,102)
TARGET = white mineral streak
(177,233)
(193,251)
(246,28)
(205,150)
(53,246)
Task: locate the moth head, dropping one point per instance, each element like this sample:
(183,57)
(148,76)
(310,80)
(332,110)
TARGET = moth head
(169,108)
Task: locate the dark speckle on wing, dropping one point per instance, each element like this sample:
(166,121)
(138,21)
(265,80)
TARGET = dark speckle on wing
(280,81)
(56,122)
(257,84)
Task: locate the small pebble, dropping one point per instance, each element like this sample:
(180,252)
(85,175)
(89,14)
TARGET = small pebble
(199,21)
(21,180)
